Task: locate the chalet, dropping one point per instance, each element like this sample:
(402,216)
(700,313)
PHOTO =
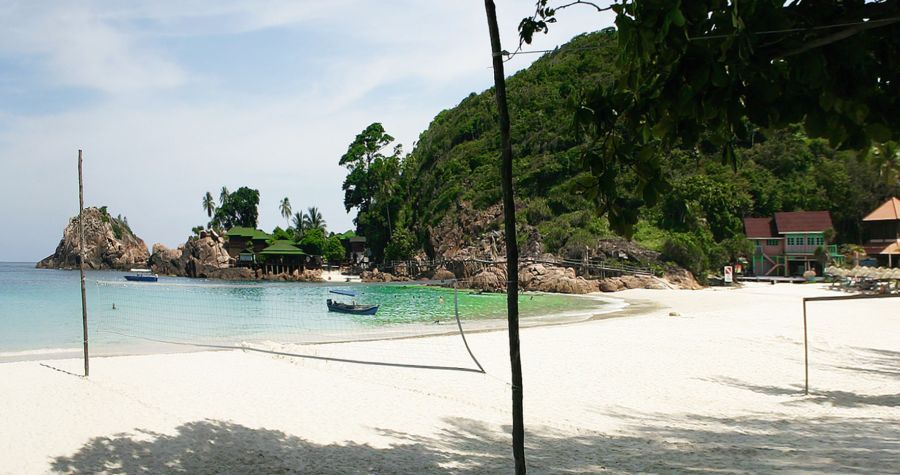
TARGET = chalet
(357,252)
(787,243)
(882,228)
(245,243)
(282,257)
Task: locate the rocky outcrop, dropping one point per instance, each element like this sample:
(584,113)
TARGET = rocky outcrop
(201,256)
(490,279)
(541,278)
(535,278)
(308,275)
(682,279)
(615,284)
(204,255)
(376,275)
(109,243)
(167,261)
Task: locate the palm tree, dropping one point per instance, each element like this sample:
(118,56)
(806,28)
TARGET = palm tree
(285,208)
(313,219)
(223,195)
(209,204)
(299,224)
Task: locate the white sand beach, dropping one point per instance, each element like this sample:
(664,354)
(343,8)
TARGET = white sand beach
(717,388)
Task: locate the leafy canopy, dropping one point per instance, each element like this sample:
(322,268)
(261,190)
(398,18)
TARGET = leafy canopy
(239,208)
(707,73)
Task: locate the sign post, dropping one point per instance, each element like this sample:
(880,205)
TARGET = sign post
(729,274)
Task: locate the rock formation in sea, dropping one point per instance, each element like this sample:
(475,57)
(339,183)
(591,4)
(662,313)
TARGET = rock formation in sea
(201,256)
(109,244)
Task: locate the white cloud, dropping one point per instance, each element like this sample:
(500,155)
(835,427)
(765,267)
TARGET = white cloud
(151,153)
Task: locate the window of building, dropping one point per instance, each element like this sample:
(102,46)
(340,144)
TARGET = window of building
(771,242)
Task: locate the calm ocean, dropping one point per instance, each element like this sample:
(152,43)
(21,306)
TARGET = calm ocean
(40,311)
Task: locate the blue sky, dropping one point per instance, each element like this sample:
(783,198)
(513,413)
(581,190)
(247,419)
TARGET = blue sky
(171,99)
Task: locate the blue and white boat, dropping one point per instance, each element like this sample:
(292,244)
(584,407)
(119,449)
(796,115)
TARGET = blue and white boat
(142,275)
(351,308)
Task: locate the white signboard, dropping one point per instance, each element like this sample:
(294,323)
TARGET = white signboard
(729,274)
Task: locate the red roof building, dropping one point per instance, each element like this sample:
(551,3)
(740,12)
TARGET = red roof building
(882,227)
(787,243)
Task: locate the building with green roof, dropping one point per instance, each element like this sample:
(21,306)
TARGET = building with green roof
(244,242)
(282,256)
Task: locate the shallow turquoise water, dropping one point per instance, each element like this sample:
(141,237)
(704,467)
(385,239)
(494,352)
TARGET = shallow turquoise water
(40,310)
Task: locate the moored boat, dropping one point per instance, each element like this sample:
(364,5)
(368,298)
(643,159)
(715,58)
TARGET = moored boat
(351,308)
(142,275)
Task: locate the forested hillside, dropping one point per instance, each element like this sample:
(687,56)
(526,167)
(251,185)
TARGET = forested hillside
(453,170)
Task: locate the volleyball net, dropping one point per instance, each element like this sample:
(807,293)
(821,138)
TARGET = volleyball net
(291,320)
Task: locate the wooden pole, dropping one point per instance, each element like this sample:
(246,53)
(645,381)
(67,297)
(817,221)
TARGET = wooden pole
(512,249)
(84,321)
(805,352)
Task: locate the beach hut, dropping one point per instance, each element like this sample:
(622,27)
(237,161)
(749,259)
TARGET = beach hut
(244,243)
(282,257)
(882,226)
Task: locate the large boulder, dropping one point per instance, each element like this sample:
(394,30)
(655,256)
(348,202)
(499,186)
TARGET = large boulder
(490,279)
(109,243)
(443,274)
(167,261)
(204,255)
(541,278)
(201,256)
(682,279)
(615,284)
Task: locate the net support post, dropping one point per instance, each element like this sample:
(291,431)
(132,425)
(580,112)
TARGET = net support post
(805,353)
(84,322)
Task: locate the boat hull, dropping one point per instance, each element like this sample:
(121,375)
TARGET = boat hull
(141,278)
(352,309)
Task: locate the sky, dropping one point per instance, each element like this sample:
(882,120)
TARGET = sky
(171,99)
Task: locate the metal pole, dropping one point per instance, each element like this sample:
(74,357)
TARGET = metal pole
(87,367)
(805,352)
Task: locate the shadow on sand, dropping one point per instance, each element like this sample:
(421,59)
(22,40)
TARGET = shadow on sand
(673,444)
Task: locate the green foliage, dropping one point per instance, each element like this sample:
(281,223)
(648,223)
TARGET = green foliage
(374,185)
(239,208)
(313,242)
(699,75)
(117,229)
(209,204)
(653,189)
(284,207)
(197,229)
(313,219)
(402,246)
(279,234)
(686,250)
(333,250)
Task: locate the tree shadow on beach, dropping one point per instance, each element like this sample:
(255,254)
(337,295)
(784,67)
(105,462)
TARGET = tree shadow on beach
(835,398)
(668,444)
(206,447)
(875,362)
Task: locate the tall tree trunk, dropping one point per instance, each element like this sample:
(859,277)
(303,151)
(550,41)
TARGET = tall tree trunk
(512,249)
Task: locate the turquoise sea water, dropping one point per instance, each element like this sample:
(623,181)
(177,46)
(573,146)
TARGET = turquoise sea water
(40,311)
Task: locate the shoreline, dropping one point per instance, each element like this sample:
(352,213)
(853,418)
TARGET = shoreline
(717,388)
(138,346)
